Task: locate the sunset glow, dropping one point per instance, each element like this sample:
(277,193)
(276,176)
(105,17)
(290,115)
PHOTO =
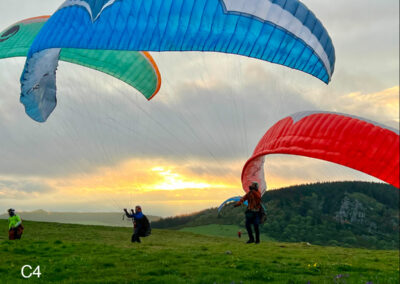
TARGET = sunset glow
(105,146)
(142,176)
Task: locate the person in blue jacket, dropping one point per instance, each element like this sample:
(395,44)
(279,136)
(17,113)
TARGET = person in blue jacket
(141,225)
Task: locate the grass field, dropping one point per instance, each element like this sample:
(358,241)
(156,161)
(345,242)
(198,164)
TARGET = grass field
(221,230)
(94,254)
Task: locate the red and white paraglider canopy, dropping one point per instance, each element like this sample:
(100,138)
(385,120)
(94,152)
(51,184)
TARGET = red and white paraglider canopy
(343,139)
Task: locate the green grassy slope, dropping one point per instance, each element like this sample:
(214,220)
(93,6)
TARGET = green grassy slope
(221,230)
(93,254)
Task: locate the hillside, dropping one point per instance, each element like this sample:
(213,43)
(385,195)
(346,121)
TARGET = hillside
(95,254)
(84,218)
(352,214)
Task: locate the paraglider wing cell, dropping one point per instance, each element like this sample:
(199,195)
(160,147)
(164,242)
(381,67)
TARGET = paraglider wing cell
(138,69)
(347,140)
(282,32)
(230,201)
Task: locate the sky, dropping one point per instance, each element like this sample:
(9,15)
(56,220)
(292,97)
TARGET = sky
(106,147)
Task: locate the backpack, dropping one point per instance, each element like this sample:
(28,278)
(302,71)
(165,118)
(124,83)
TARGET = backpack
(145,231)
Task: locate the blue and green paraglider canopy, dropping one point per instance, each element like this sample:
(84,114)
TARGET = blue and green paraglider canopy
(283,32)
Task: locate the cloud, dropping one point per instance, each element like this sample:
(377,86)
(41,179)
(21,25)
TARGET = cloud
(146,175)
(211,111)
(160,203)
(162,187)
(22,189)
(17,10)
(210,107)
(366,40)
(381,106)
(100,121)
(284,170)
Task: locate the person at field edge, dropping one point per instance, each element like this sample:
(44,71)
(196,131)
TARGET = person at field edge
(253,212)
(141,225)
(15,228)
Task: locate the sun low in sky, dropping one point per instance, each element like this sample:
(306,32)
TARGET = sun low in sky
(105,147)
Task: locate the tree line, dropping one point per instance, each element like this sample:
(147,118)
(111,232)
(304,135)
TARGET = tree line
(350,214)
